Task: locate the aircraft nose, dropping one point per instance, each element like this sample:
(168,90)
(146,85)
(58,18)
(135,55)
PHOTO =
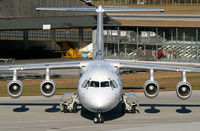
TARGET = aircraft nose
(102,101)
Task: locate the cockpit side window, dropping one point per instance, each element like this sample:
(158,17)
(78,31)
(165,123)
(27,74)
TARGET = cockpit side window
(86,84)
(104,84)
(94,84)
(113,84)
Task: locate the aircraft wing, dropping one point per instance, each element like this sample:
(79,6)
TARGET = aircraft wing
(56,65)
(157,67)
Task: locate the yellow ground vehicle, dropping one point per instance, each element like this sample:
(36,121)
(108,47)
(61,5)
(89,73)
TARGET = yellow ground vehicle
(69,52)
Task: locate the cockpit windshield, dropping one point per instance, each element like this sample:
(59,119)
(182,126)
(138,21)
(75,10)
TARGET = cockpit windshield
(97,84)
(94,84)
(105,84)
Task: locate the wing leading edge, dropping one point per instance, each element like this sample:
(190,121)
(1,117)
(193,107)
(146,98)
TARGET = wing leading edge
(65,65)
(158,67)
(152,87)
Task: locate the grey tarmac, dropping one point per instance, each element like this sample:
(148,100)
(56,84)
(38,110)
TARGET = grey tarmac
(165,112)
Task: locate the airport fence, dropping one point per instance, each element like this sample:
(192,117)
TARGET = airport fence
(70,34)
(153,44)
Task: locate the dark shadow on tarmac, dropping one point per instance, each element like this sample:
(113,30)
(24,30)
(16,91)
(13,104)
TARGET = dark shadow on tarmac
(152,110)
(53,109)
(108,116)
(23,106)
(181,110)
(21,109)
(113,114)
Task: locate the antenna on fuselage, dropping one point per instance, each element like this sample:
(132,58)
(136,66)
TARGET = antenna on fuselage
(99,37)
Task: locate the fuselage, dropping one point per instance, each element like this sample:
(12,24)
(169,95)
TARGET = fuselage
(99,87)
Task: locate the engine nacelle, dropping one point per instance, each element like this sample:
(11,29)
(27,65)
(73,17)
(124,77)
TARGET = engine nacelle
(48,87)
(15,88)
(151,88)
(184,90)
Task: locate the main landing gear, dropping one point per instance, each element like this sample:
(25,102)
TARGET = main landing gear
(98,118)
(129,103)
(68,109)
(69,104)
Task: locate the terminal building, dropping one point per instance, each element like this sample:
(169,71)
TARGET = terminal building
(26,33)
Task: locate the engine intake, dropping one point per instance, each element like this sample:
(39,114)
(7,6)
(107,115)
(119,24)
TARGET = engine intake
(48,87)
(151,88)
(184,90)
(15,88)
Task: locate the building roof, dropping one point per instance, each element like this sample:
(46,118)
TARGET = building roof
(21,14)
(55,22)
(26,8)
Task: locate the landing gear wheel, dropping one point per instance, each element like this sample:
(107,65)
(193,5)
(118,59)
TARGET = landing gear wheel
(65,110)
(101,120)
(123,108)
(74,108)
(133,109)
(95,120)
(98,118)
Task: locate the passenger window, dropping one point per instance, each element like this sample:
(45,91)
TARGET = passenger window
(94,84)
(105,84)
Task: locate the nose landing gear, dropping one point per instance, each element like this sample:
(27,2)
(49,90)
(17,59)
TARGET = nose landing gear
(98,118)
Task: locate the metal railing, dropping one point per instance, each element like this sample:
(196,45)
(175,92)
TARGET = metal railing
(72,34)
(149,46)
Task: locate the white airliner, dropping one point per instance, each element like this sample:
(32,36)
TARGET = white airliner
(99,86)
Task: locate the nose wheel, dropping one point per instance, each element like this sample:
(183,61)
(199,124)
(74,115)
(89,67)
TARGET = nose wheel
(98,118)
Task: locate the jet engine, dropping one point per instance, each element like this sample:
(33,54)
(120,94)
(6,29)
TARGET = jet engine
(48,87)
(15,88)
(183,90)
(151,88)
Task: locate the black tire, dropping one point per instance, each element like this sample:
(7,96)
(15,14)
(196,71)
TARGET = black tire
(123,108)
(101,120)
(133,109)
(75,107)
(96,120)
(65,110)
